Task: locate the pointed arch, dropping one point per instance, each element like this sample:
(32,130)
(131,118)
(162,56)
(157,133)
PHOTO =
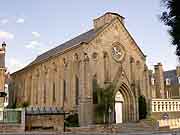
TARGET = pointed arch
(129,104)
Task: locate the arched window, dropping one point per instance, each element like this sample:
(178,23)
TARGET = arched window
(152,81)
(77,90)
(54,92)
(64,89)
(106,67)
(179,79)
(94,86)
(36,83)
(65,63)
(94,56)
(132,73)
(44,93)
(54,66)
(168,81)
(86,71)
(76,57)
(29,89)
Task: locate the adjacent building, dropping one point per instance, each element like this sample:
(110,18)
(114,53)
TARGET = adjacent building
(165,84)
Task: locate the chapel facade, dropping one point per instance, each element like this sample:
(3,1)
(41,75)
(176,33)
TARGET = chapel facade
(63,76)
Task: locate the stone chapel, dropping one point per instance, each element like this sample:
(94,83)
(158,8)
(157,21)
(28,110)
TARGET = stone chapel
(63,76)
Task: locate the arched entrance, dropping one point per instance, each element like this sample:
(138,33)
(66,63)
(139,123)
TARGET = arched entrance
(118,107)
(125,104)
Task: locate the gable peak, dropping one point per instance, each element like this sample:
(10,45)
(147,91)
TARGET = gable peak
(106,18)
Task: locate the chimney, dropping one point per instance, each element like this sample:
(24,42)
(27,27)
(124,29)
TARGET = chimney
(178,71)
(159,81)
(4,46)
(2,55)
(106,18)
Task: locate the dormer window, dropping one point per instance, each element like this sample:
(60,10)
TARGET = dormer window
(179,79)
(168,81)
(152,80)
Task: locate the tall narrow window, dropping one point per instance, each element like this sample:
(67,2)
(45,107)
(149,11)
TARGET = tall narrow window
(44,94)
(64,89)
(94,83)
(132,72)
(152,81)
(54,92)
(36,90)
(106,67)
(77,89)
(168,81)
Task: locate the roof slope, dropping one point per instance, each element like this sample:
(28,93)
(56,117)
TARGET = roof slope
(85,37)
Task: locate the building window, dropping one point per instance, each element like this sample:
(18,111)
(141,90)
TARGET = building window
(168,81)
(54,92)
(44,93)
(77,89)
(179,79)
(64,89)
(94,83)
(106,67)
(152,80)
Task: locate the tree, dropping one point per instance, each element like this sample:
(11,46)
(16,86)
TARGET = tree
(171,18)
(105,100)
(142,107)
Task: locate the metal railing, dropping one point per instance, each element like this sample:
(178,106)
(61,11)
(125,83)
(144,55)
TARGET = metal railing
(10,116)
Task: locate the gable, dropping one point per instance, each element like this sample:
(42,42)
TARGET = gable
(117,29)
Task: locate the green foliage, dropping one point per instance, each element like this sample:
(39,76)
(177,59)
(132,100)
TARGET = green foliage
(72,120)
(25,104)
(105,100)
(142,107)
(14,104)
(171,18)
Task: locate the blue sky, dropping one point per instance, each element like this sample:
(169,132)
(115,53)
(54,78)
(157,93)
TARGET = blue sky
(31,27)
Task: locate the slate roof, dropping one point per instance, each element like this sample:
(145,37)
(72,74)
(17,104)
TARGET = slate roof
(85,37)
(171,74)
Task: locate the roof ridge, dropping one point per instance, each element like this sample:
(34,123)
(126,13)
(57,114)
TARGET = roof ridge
(84,37)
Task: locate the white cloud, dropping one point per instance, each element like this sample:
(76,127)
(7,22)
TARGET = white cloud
(36,34)
(20,20)
(14,64)
(6,35)
(4,21)
(34,45)
(37,46)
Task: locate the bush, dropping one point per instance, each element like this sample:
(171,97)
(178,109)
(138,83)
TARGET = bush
(25,104)
(72,120)
(142,107)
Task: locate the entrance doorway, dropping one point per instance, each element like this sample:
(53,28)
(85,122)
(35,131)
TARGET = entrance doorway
(119,107)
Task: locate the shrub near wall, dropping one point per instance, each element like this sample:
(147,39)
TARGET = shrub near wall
(142,107)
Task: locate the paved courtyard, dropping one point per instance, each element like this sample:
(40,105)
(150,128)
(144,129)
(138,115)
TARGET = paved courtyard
(58,133)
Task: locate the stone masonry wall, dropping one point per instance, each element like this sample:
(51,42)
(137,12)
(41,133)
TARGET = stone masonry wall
(45,121)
